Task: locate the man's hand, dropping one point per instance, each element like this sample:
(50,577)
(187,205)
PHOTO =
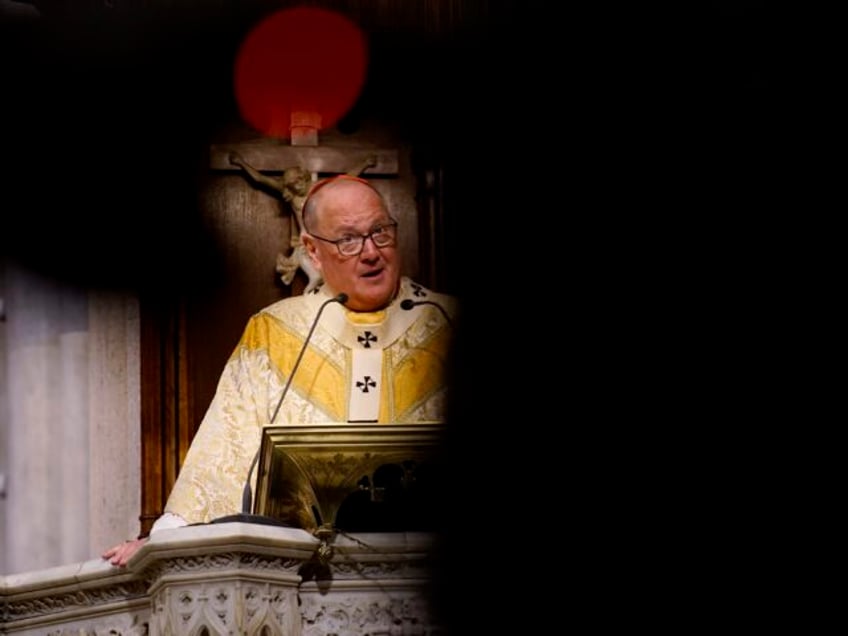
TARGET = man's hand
(121,554)
(235,159)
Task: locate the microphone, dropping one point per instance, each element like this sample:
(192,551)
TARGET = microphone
(247,494)
(408,303)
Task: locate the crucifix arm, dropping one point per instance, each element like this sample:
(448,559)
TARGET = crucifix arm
(237,160)
(369,162)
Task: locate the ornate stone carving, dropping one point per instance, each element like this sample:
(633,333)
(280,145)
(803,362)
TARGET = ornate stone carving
(120,625)
(352,569)
(226,607)
(80,599)
(372,613)
(225,561)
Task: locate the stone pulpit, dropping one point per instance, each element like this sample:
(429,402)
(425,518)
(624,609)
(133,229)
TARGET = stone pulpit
(234,578)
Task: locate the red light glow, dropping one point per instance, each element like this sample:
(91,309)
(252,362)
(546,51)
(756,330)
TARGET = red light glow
(303,59)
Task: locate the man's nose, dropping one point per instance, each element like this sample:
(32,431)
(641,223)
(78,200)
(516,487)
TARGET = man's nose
(369,248)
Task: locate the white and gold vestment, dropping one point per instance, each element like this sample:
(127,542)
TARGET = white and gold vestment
(388,366)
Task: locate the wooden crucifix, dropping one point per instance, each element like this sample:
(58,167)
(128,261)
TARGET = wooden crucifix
(305,164)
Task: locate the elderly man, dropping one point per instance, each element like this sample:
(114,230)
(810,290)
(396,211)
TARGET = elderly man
(375,354)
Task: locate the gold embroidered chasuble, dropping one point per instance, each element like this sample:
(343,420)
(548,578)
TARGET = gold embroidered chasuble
(385,367)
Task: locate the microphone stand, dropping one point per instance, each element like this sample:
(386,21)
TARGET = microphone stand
(246,516)
(408,304)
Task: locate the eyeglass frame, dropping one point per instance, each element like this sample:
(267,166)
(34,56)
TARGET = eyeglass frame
(370,235)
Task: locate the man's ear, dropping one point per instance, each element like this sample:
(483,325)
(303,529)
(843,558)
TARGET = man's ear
(311,246)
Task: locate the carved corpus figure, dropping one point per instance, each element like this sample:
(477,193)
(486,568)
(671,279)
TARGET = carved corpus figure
(293,185)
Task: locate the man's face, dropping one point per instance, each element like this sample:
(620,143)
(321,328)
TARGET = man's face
(370,279)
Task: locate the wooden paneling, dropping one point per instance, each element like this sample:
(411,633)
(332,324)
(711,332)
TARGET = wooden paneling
(251,227)
(165,402)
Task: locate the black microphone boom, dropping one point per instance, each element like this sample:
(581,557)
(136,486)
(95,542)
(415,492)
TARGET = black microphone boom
(408,303)
(247,494)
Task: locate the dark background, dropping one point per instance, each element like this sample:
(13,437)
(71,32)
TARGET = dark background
(611,175)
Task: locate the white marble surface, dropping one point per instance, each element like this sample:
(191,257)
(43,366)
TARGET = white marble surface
(69,403)
(115,420)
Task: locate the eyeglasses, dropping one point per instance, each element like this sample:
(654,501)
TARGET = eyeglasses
(353,244)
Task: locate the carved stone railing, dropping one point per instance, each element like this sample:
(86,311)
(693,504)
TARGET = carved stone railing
(233,578)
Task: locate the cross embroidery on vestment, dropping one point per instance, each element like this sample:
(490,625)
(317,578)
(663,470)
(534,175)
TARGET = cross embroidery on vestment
(366,339)
(366,383)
